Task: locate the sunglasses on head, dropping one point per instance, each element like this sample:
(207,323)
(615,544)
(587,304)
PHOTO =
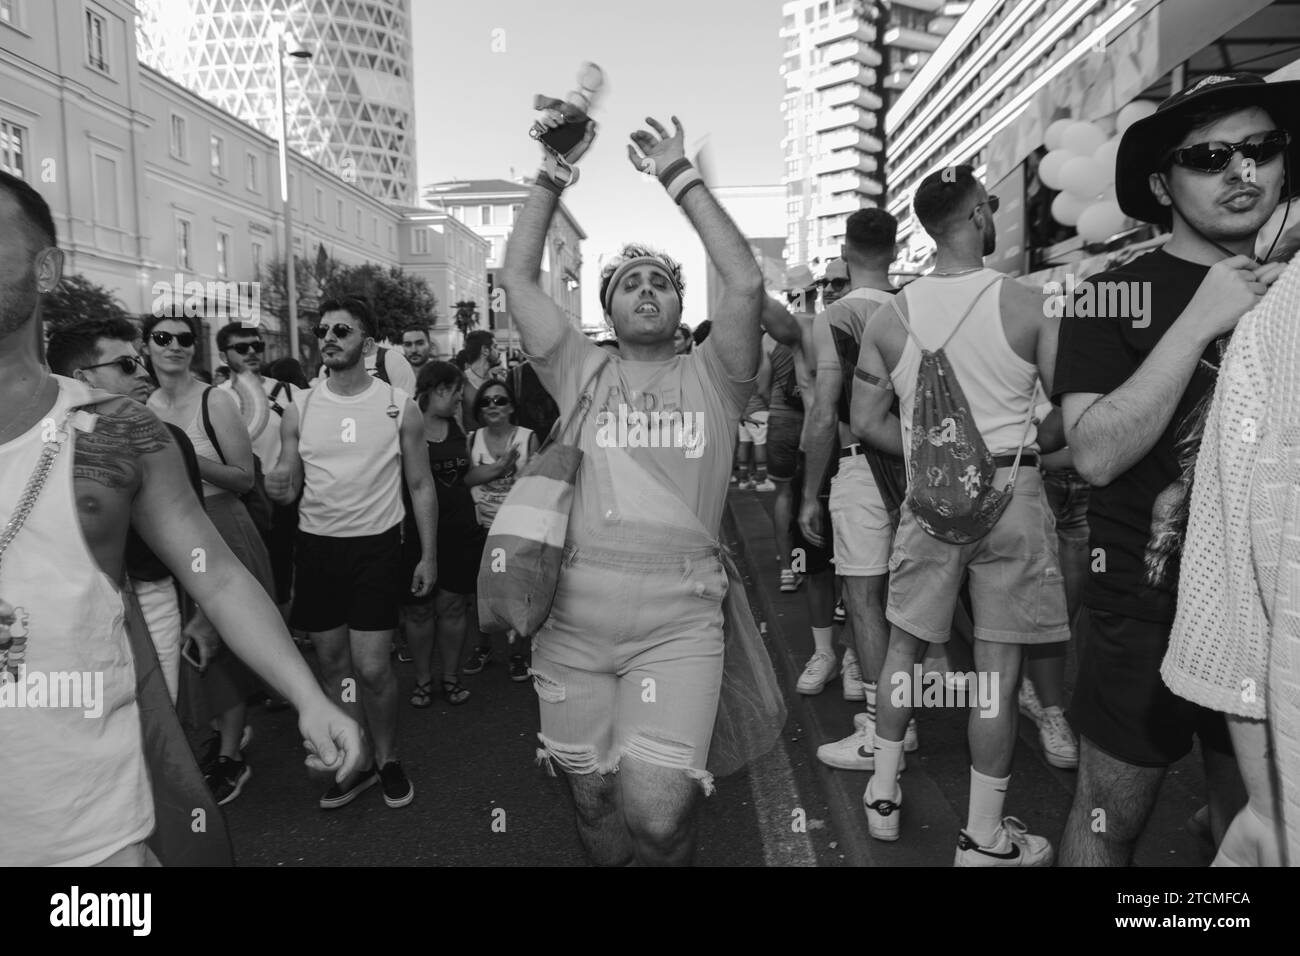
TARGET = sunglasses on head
(497,401)
(340,330)
(163,339)
(1214,157)
(243,348)
(127,363)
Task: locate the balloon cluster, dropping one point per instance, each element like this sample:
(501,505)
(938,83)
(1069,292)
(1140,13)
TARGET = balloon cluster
(1081,163)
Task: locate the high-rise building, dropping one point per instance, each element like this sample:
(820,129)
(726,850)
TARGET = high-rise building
(844,63)
(351,106)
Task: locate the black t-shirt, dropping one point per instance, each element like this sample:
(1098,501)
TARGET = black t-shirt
(141,563)
(449,462)
(1098,352)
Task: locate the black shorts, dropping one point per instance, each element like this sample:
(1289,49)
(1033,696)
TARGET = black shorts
(355,582)
(817,558)
(1122,705)
(783,428)
(460,551)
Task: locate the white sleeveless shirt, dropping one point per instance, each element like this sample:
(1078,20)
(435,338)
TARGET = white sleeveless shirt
(352,460)
(998,383)
(489,497)
(73,785)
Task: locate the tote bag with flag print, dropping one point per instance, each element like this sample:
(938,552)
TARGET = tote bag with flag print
(521,560)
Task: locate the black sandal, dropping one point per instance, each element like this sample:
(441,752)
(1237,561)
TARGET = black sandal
(457,693)
(422,695)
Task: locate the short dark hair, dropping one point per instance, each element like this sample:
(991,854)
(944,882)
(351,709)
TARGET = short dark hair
(356,307)
(434,375)
(870,234)
(151,321)
(228,332)
(476,343)
(941,197)
(422,329)
(76,344)
(38,220)
(480,397)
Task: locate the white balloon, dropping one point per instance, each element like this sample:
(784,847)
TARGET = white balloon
(1082,139)
(1138,109)
(1100,221)
(1066,208)
(1049,168)
(1083,176)
(1106,154)
(1052,138)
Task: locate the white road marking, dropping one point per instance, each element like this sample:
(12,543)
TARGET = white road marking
(775,798)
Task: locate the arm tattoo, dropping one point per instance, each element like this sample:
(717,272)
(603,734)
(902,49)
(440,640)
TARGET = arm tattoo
(110,455)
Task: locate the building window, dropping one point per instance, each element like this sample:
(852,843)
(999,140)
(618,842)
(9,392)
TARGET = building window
(96,41)
(183,238)
(257,258)
(251,177)
(13,147)
(420,241)
(178,137)
(374,229)
(358,223)
(338,212)
(223,255)
(392,239)
(11,12)
(104,184)
(217,156)
(485,215)
(320,204)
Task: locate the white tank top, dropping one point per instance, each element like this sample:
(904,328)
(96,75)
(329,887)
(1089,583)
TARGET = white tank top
(997,382)
(73,788)
(352,460)
(489,497)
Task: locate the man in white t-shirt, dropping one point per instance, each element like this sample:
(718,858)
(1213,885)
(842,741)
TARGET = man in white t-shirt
(385,363)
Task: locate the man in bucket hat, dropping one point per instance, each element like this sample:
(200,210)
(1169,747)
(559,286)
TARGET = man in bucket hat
(1211,164)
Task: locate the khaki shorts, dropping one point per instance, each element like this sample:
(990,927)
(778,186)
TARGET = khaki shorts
(1016,586)
(753,428)
(864,534)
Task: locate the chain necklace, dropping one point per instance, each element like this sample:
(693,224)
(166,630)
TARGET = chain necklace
(13,649)
(4,433)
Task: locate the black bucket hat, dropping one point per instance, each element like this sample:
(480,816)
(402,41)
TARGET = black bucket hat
(1147,142)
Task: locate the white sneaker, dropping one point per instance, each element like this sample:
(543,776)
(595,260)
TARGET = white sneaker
(911,738)
(1013,846)
(854,752)
(1060,746)
(855,688)
(883,816)
(1029,704)
(746,485)
(765,485)
(820,671)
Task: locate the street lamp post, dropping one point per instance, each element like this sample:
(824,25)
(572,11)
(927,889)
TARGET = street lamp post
(286,45)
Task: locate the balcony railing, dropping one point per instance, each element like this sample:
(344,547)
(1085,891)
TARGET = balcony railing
(858,51)
(908,39)
(849,72)
(850,138)
(843,160)
(847,28)
(851,94)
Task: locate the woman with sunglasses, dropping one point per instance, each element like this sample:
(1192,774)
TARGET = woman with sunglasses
(169,346)
(439,391)
(497,451)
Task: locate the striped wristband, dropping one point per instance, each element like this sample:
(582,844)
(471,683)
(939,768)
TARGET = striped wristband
(546,182)
(679,177)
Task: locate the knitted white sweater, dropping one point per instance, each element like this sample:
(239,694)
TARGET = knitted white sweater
(1235,645)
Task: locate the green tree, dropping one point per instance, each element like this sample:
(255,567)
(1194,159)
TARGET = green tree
(77,298)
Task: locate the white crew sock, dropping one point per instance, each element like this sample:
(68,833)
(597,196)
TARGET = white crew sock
(889,754)
(870,703)
(823,641)
(987,796)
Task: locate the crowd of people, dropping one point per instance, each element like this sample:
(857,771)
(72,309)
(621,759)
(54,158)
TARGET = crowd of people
(946,459)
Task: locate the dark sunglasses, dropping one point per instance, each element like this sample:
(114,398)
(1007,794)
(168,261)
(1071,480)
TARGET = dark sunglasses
(497,401)
(243,348)
(1214,157)
(340,330)
(992,202)
(127,363)
(163,339)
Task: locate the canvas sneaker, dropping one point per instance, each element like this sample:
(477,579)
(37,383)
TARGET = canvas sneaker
(480,659)
(765,485)
(746,485)
(1013,845)
(1060,746)
(841,615)
(911,737)
(790,581)
(883,816)
(338,796)
(1029,703)
(820,671)
(398,789)
(227,779)
(854,752)
(855,688)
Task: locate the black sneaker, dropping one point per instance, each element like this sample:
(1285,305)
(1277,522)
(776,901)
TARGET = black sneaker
(338,796)
(480,659)
(518,668)
(228,778)
(209,754)
(398,789)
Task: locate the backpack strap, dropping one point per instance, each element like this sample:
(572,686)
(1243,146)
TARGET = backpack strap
(965,315)
(279,387)
(207,425)
(381,366)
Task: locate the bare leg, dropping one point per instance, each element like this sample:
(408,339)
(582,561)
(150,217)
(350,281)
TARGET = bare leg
(992,732)
(660,806)
(377,689)
(453,624)
(1112,802)
(598,801)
